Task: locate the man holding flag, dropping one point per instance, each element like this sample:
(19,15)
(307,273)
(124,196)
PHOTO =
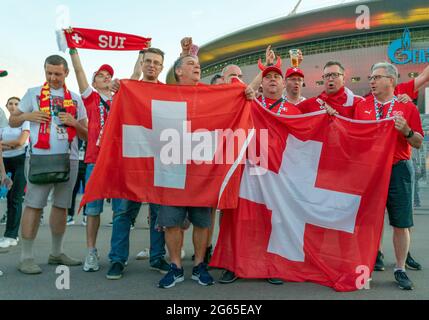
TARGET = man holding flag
(97,100)
(384,104)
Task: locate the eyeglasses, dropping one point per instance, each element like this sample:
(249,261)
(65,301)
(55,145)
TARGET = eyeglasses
(377,77)
(333,75)
(155,63)
(295,79)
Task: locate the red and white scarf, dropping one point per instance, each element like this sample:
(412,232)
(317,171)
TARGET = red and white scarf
(45,106)
(100,40)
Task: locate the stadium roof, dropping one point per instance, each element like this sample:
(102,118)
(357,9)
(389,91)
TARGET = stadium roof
(328,23)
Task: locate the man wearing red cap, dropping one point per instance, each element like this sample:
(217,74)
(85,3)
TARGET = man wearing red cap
(97,100)
(294,83)
(272,98)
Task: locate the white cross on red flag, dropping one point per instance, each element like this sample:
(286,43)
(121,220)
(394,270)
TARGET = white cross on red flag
(317,214)
(167,145)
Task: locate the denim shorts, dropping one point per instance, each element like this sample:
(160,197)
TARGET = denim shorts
(170,217)
(95,208)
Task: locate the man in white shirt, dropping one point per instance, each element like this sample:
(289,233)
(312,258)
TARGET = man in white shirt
(57,118)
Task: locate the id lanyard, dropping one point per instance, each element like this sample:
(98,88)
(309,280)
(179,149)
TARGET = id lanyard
(379,108)
(281,108)
(102,122)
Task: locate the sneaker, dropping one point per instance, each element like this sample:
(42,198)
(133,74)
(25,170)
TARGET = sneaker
(228,277)
(132,226)
(412,264)
(91,262)
(115,271)
(3,220)
(70,221)
(110,224)
(174,275)
(275,281)
(403,281)
(84,221)
(28,266)
(63,260)
(161,265)
(143,255)
(8,242)
(1,273)
(379,264)
(202,275)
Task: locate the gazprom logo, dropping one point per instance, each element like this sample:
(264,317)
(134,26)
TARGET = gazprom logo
(400,51)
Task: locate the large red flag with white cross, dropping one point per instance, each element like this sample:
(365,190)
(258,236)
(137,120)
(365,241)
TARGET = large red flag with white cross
(173,145)
(314,209)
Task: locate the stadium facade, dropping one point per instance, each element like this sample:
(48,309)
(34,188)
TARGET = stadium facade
(398,32)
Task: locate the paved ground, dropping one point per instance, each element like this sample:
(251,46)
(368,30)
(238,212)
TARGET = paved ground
(139,282)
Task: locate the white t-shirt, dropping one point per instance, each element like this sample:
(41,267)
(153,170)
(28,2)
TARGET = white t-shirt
(8,134)
(58,138)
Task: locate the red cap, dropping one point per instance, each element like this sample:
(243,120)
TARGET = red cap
(292,71)
(272,68)
(3,73)
(104,67)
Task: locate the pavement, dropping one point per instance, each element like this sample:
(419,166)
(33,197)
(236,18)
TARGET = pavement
(139,282)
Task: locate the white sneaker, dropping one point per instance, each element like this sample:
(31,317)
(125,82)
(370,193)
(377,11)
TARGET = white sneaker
(8,242)
(70,221)
(143,255)
(84,221)
(91,263)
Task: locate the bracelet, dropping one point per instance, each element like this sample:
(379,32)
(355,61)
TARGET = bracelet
(73,51)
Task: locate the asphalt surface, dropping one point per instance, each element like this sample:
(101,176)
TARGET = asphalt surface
(139,282)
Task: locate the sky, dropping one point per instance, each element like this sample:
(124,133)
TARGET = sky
(27,35)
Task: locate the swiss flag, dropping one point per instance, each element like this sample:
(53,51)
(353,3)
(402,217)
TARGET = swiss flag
(173,145)
(317,213)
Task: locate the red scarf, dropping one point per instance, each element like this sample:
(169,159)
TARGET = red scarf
(100,40)
(45,106)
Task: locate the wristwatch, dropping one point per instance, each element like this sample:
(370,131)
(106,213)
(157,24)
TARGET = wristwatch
(410,135)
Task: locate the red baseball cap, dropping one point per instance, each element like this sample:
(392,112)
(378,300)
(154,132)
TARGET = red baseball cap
(272,68)
(104,67)
(292,71)
(3,73)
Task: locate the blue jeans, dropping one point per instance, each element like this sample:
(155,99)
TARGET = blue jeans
(95,208)
(120,242)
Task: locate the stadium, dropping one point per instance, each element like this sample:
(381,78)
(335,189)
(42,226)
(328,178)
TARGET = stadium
(398,28)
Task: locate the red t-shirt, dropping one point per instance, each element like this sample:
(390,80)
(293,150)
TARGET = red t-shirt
(344,101)
(288,108)
(365,110)
(407,88)
(96,111)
